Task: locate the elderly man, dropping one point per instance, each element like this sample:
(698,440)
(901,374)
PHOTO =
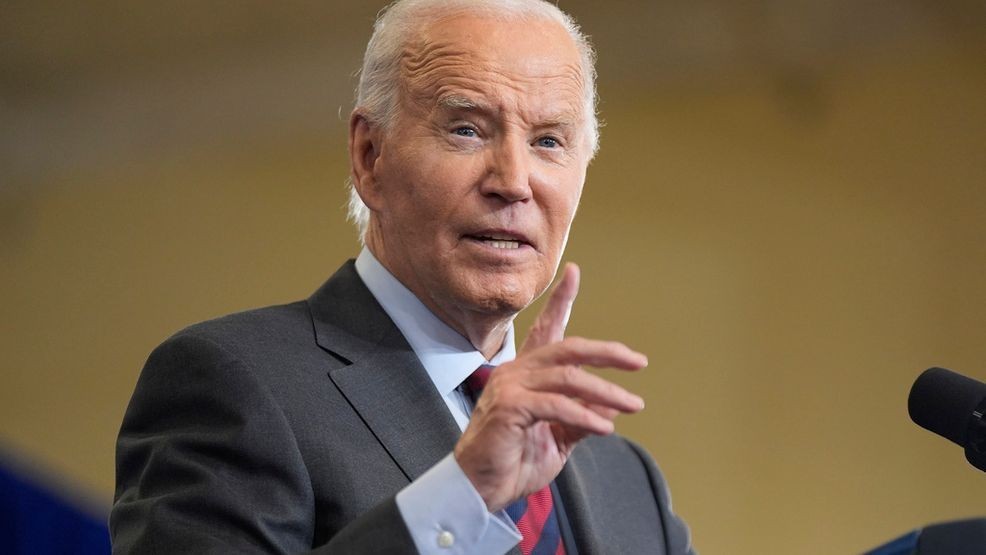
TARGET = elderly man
(353,421)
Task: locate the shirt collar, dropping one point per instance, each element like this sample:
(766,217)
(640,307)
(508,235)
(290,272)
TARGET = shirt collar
(447,356)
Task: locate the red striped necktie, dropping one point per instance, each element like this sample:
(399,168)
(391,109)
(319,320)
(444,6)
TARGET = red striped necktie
(535,515)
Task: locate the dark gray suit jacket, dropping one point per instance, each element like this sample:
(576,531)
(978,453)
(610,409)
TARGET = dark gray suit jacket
(292,428)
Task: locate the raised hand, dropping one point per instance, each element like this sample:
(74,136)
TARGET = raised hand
(535,409)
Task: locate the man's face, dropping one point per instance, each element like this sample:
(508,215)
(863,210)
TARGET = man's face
(477,181)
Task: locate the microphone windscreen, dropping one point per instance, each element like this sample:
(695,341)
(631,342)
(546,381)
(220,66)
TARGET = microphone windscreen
(942,401)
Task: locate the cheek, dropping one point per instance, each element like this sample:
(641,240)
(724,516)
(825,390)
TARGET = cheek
(439,187)
(559,210)
(429,202)
(562,208)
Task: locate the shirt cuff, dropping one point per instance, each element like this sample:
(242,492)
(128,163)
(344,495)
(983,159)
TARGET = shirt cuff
(446,515)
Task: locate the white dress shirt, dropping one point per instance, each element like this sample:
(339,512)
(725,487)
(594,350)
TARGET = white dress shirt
(443,511)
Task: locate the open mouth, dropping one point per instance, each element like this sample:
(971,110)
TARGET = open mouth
(500,240)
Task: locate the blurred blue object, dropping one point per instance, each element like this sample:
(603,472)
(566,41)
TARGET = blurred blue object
(904,545)
(36,521)
(955,537)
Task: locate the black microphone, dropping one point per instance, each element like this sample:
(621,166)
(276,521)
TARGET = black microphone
(952,406)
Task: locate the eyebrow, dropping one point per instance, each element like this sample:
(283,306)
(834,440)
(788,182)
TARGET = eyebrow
(459,102)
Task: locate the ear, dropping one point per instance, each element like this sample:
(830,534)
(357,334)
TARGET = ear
(364,151)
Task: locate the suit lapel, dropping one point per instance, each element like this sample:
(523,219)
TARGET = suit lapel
(382,378)
(575,500)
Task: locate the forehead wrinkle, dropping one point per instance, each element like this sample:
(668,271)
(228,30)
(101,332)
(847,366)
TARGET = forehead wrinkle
(468,66)
(424,69)
(419,58)
(484,90)
(449,74)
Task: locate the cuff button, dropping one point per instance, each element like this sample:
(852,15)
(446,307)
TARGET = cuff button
(446,539)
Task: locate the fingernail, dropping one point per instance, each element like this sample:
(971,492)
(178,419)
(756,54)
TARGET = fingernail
(640,403)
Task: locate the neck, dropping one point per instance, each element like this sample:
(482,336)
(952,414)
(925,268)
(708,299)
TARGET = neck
(487,337)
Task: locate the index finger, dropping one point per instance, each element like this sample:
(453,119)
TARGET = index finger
(578,351)
(549,327)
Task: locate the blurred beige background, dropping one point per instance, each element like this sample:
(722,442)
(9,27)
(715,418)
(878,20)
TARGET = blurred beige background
(788,214)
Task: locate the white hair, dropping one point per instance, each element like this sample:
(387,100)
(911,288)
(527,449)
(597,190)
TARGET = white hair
(398,24)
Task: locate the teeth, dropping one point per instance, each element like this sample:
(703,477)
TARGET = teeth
(498,244)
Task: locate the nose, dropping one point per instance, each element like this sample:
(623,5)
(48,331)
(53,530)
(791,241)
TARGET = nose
(509,171)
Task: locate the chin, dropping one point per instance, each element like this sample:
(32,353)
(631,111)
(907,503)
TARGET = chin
(500,306)
(503,297)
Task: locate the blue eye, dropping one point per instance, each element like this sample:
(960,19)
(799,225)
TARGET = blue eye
(465,131)
(547,142)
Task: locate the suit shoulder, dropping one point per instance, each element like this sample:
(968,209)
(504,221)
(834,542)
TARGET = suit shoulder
(612,446)
(615,451)
(259,324)
(252,336)
(273,348)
